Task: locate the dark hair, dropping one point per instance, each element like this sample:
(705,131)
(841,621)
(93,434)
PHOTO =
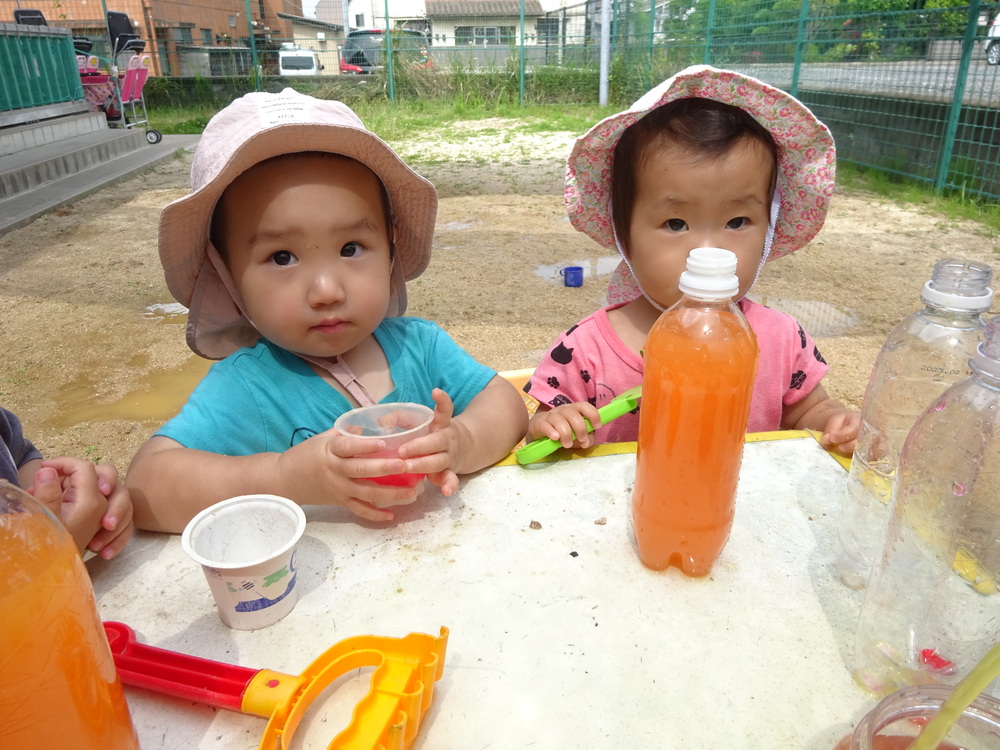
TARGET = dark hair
(704,127)
(217,227)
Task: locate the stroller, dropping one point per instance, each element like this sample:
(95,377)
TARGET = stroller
(119,95)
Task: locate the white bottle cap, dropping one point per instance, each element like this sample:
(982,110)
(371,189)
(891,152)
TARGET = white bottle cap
(710,274)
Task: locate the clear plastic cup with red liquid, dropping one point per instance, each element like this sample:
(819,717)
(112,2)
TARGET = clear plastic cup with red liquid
(396,424)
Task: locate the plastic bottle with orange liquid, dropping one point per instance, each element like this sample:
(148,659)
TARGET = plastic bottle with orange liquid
(58,684)
(700,363)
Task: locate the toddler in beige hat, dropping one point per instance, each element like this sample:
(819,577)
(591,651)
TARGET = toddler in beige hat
(292,254)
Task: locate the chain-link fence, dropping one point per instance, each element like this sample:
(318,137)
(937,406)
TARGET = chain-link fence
(909,87)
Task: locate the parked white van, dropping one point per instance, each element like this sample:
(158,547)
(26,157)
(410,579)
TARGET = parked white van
(298,62)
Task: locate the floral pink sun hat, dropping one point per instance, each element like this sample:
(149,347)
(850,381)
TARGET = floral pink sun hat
(806,163)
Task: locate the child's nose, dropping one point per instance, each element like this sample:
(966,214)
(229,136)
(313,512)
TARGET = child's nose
(325,289)
(709,238)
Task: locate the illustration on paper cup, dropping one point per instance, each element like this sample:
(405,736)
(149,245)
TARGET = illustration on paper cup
(264,599)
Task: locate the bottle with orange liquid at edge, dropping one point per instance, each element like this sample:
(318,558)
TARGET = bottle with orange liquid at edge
(58,684)
(700,362)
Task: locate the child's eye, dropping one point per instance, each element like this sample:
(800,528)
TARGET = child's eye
(282,258)
(738,223)
(676,225)
(351,250)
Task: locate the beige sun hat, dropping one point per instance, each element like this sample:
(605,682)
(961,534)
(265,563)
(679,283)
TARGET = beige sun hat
(256,127)
(805,175)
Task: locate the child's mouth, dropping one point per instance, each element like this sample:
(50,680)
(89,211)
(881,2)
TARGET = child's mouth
(331,326)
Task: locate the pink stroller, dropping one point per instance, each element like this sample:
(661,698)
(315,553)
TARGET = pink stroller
(119,95)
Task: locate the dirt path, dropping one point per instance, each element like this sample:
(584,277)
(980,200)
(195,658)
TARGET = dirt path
(95,357)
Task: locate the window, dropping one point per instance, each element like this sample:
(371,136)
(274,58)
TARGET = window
(484,35)
(359,20)
(547,29)
(206,36)
(232,22)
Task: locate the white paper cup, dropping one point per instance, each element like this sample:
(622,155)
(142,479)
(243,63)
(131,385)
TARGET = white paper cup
(246,546)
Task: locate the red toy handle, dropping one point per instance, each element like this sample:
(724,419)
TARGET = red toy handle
(180,675)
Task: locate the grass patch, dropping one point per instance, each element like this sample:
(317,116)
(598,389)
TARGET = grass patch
(954,204)
(181,120)
(405,120)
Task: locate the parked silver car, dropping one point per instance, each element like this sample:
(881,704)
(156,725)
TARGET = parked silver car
(992,44)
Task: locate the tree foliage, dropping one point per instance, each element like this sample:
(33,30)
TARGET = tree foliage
(833,29)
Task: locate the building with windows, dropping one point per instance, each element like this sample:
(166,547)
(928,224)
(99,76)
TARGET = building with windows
(172,29)
(482,23)
(322,37)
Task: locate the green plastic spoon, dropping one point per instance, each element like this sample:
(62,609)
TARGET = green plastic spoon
(621,404)
(966,691)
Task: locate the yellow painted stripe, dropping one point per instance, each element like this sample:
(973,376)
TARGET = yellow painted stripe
(612,449)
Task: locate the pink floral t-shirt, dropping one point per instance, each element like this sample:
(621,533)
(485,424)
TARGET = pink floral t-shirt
(590,363)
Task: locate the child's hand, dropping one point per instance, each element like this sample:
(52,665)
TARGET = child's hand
(69,488)
(438,453)
(841,431)
(116,525)
(563,422)
(331,469)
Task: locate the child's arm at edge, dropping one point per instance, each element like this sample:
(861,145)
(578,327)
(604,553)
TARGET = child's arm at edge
(170,484)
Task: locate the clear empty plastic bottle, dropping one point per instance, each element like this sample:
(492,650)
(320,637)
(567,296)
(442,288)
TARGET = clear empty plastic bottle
(932,608)
(924,354)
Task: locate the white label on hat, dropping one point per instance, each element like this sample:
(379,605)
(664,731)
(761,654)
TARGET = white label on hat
(280,110)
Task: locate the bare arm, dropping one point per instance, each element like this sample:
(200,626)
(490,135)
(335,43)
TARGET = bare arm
(496,420)
(170,484)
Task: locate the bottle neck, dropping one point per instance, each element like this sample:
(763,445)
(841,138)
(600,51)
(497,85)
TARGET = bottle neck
(696,300)
(985,367)
(960,316)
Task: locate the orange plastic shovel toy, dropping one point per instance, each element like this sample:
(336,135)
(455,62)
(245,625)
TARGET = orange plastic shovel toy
(387,718)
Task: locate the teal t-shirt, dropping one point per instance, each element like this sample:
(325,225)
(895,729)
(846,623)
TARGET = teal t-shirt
(263,398)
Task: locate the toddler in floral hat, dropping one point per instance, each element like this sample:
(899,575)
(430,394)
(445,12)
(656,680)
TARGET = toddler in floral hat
(709,158)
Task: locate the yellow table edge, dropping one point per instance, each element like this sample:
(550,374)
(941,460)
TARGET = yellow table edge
(611,449)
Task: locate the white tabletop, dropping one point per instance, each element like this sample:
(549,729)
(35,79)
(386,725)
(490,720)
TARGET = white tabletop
(560,637)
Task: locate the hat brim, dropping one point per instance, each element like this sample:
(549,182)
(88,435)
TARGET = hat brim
(806,155)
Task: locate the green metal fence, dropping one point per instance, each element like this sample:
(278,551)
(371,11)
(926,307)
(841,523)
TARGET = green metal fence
(905,85)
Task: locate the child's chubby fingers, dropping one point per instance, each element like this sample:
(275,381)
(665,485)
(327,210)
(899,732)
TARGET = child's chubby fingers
(839,444)
(47,489)
(358,461)
(570,426)
(446,480)
(366,511)
(841,432)
(116,525)
(444,409)
(370,500)
(426,445)
(108,543)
